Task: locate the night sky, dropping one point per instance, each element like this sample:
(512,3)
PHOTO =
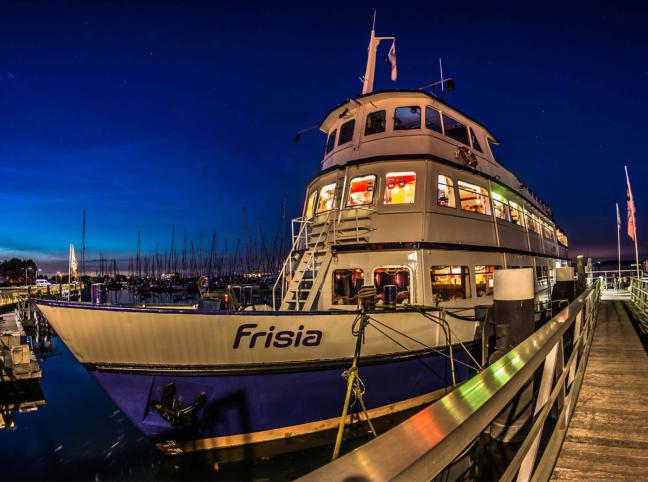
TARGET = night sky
(150,114)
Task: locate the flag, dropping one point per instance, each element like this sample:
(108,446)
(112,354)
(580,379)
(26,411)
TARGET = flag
(73,261)
(632,226)
(618,217)
(391,57)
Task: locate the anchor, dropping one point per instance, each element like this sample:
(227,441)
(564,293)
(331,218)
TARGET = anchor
(170,410)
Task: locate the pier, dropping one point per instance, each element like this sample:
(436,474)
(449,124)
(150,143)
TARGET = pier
(17,360)
(590,416)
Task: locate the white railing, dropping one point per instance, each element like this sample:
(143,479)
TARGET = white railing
(422,447)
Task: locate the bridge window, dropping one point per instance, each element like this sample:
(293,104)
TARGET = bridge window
(400,187)
(450,283)
(433,119)
(399,277)
(376,122)
(346,284)
(310,205)
(445,192)
(474,198)
(485,279)
(330,143)
(326,200)
(346,132)
(407,118)
(455,129)
(361,190)
(501,207)
(475,141)
(517,215)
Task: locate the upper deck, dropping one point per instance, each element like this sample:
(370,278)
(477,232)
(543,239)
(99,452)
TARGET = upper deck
(405,123)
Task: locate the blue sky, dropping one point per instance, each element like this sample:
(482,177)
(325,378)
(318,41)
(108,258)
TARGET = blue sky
(150,114)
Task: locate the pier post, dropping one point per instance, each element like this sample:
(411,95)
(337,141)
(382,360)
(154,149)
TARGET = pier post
(513,310)
(581,284)
(564,289)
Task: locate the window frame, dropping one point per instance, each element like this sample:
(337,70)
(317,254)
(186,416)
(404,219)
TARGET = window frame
(319,195)
(473,137)
(386,186)
(313,196)
(445,131)
(504,202)
(487,273)
(330,146)
(465,276)
(373,193)
(396,109)
(452,189)
(339,141)
(384,127)
(400,267)
(428,107)
(488,210)
(333,291)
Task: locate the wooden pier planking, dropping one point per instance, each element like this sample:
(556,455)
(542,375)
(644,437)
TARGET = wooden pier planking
(608,434)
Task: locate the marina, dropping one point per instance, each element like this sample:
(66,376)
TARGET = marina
(394,300)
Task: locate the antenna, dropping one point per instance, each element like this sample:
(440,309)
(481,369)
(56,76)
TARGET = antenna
(373,26)
(441,72)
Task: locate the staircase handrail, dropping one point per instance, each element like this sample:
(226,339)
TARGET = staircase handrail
(282,273)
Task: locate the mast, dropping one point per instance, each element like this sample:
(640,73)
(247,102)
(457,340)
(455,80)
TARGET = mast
(370,72)
(83,245)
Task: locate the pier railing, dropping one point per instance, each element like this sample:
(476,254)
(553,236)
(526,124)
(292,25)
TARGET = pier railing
(15,294)
(422,447)
(639,293)
(612,279)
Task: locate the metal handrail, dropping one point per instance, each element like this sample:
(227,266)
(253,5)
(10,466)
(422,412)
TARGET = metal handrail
(424,445)
(639,293)
(282,274)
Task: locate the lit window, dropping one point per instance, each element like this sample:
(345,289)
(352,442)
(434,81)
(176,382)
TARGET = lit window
(330,143)
(399,277)
(500,207)
(450,283)
(326,199)
(475,141)
(517,214)
(310,205)
(562,239)
(455,130)
(346,132)
(346,284)
(547,231)
(433,119)
(400,187)
(361,190)
(445,192)
(532,222)
(407,118)
(375,123)
(474,198)
(484,280)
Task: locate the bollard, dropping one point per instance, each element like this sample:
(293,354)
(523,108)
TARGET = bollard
(581,283)
(513,312)
(564,289)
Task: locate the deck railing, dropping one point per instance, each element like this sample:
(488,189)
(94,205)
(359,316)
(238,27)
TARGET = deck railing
(639,293)
(422,447)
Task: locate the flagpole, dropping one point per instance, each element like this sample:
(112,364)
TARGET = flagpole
(69,270)
(618,214)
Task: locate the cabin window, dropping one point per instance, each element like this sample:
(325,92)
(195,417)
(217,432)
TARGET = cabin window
(407,118)
(346,132)
(376,122)
(547,231)
(326,200)
(330,143)
(450,283)
(474,198)
(485,279)
(361,190)
(532,222)
(400,187)
(562,239)
(399,277)
(445,192)
(474,140)
(310,205)
(500,207)
(517,215)
(346,284)
(455,130)
(433,119)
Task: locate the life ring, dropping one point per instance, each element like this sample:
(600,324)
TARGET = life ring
(469,157)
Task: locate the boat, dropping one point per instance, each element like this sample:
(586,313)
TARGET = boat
(409,200)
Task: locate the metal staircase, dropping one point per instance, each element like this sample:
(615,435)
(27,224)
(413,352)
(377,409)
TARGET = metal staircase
(305,268)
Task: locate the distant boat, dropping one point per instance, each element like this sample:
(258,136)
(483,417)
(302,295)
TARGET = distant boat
(410,200)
